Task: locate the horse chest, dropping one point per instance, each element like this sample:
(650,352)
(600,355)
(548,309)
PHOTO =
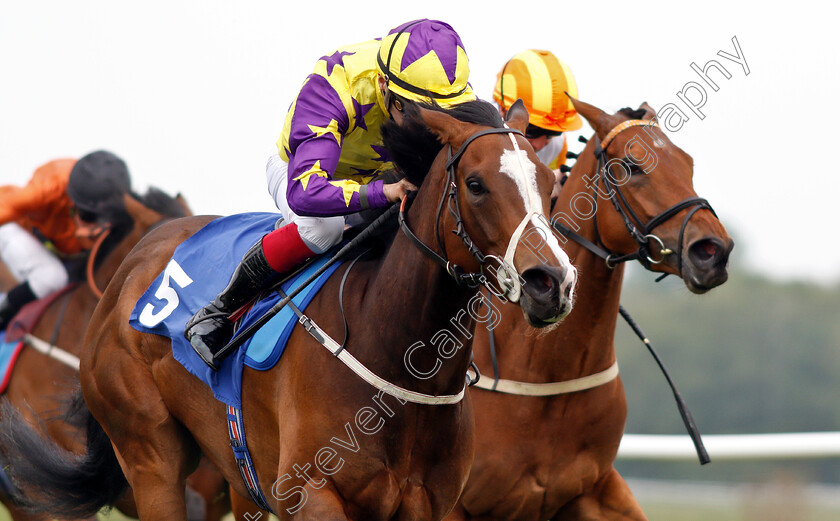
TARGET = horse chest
(381,467)
(389,495)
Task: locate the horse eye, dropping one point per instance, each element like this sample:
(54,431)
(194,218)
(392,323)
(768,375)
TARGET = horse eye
(633,168)
(475,186)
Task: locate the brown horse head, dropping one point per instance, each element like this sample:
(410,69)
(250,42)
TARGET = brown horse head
(648,180)
(502,197)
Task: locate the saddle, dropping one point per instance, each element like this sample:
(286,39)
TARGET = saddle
(198,270)
(29,315)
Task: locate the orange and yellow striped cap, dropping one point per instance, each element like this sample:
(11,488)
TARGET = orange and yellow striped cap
(541,81)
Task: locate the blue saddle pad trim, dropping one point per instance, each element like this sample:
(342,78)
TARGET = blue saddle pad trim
(8,355)
(207,259)
(267,344)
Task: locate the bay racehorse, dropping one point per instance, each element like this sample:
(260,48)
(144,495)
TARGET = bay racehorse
(46,371)
(326,444)
(543,455)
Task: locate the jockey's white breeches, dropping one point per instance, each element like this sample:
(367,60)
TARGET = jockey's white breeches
(30,261)
(318,233)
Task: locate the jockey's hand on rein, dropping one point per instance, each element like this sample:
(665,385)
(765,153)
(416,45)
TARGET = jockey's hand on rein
(395,191)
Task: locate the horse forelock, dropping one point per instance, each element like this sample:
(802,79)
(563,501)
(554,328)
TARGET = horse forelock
(633,113)
(414,147)
(478,112)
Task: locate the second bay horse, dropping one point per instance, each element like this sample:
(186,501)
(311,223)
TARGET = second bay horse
(545,450)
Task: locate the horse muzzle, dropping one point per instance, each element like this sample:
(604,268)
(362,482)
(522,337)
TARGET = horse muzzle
(705,264)
(547,294)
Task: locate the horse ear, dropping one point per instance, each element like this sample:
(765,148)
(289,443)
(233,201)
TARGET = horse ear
(650,113)
(448,129)
(517,116)
(183,204)
(597,118)
(143,217)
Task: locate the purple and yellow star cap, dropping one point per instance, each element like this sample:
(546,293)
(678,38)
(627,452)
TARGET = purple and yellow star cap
(425,59)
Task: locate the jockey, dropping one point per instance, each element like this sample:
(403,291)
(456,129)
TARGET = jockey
(56,217)
(541,81)
(331,160)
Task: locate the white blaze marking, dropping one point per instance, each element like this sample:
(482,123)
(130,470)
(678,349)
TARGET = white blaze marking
(517,165)
(523,171)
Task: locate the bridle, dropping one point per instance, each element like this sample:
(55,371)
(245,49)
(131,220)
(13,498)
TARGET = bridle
(640,231)
(507,274)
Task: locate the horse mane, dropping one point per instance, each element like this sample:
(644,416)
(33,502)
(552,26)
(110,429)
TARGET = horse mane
(633,113)
(154,199)
(413,147)
(161,202)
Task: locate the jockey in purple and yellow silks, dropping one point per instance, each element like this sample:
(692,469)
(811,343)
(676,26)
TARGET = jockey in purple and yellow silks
(331,160)
(541,81)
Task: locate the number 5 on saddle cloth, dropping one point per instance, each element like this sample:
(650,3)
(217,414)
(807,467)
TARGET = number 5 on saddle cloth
(198,270)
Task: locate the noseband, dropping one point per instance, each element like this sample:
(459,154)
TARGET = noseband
(506,274)
(640,231)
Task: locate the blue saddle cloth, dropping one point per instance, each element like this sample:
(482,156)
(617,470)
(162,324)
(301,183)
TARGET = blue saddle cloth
(199,269)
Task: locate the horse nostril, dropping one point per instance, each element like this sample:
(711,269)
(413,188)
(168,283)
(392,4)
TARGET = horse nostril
(539,281)
(706,251)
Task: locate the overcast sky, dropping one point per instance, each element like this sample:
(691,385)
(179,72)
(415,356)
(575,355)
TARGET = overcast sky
(192,94)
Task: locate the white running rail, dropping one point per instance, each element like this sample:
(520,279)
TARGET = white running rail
(732,447)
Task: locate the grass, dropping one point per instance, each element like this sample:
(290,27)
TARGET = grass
(777,508)
(664,512)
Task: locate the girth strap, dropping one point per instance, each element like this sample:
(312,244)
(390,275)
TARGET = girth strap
(236,431)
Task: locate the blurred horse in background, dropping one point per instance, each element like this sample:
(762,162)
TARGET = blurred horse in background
(46,371)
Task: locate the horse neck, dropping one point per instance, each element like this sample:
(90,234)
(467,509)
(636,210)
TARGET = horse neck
(409,298)
(584,342)
(114,254)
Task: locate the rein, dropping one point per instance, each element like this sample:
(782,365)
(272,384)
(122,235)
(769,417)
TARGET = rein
(92,259)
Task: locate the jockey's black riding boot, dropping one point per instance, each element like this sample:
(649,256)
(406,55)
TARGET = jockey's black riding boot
(15,299)
(210,329)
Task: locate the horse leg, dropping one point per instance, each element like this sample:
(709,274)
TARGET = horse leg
(457,514)
(609,500)
(155,465)
(207,493)
(323,504)
(244,509)
(154,451)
